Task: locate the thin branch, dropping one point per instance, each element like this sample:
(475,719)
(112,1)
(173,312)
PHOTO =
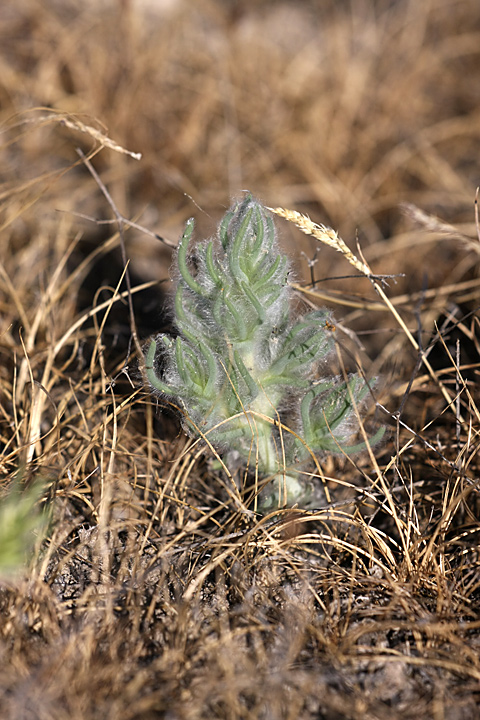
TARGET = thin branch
(120,222)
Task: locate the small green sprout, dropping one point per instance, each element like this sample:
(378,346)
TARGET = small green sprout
(241,366)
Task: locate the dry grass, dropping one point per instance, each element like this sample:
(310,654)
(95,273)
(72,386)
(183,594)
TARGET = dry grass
(154,595)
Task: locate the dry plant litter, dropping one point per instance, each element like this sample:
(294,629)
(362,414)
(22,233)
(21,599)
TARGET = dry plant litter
(148,593)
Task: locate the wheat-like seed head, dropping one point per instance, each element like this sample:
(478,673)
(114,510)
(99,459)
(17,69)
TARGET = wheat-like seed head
(323,234)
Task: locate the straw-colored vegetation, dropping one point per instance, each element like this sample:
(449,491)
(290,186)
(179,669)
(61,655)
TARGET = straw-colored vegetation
(150,593)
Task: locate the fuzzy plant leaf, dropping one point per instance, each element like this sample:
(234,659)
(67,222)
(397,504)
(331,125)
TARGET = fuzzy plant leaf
(241,366)
(22,524)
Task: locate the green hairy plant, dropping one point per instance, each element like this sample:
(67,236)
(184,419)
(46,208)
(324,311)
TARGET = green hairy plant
(22,524)
(241,366)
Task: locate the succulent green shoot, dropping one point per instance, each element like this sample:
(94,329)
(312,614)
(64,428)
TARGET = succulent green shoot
(153,378)
(212,271)
(182,259)
(240,363)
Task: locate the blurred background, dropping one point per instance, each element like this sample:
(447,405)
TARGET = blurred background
(342,110)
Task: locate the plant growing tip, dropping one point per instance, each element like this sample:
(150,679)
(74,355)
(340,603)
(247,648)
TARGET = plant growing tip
(240,363)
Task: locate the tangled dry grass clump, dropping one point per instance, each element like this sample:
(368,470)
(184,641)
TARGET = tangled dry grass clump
(150,594)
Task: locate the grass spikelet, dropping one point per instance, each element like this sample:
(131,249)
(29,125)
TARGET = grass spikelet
(323,234)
